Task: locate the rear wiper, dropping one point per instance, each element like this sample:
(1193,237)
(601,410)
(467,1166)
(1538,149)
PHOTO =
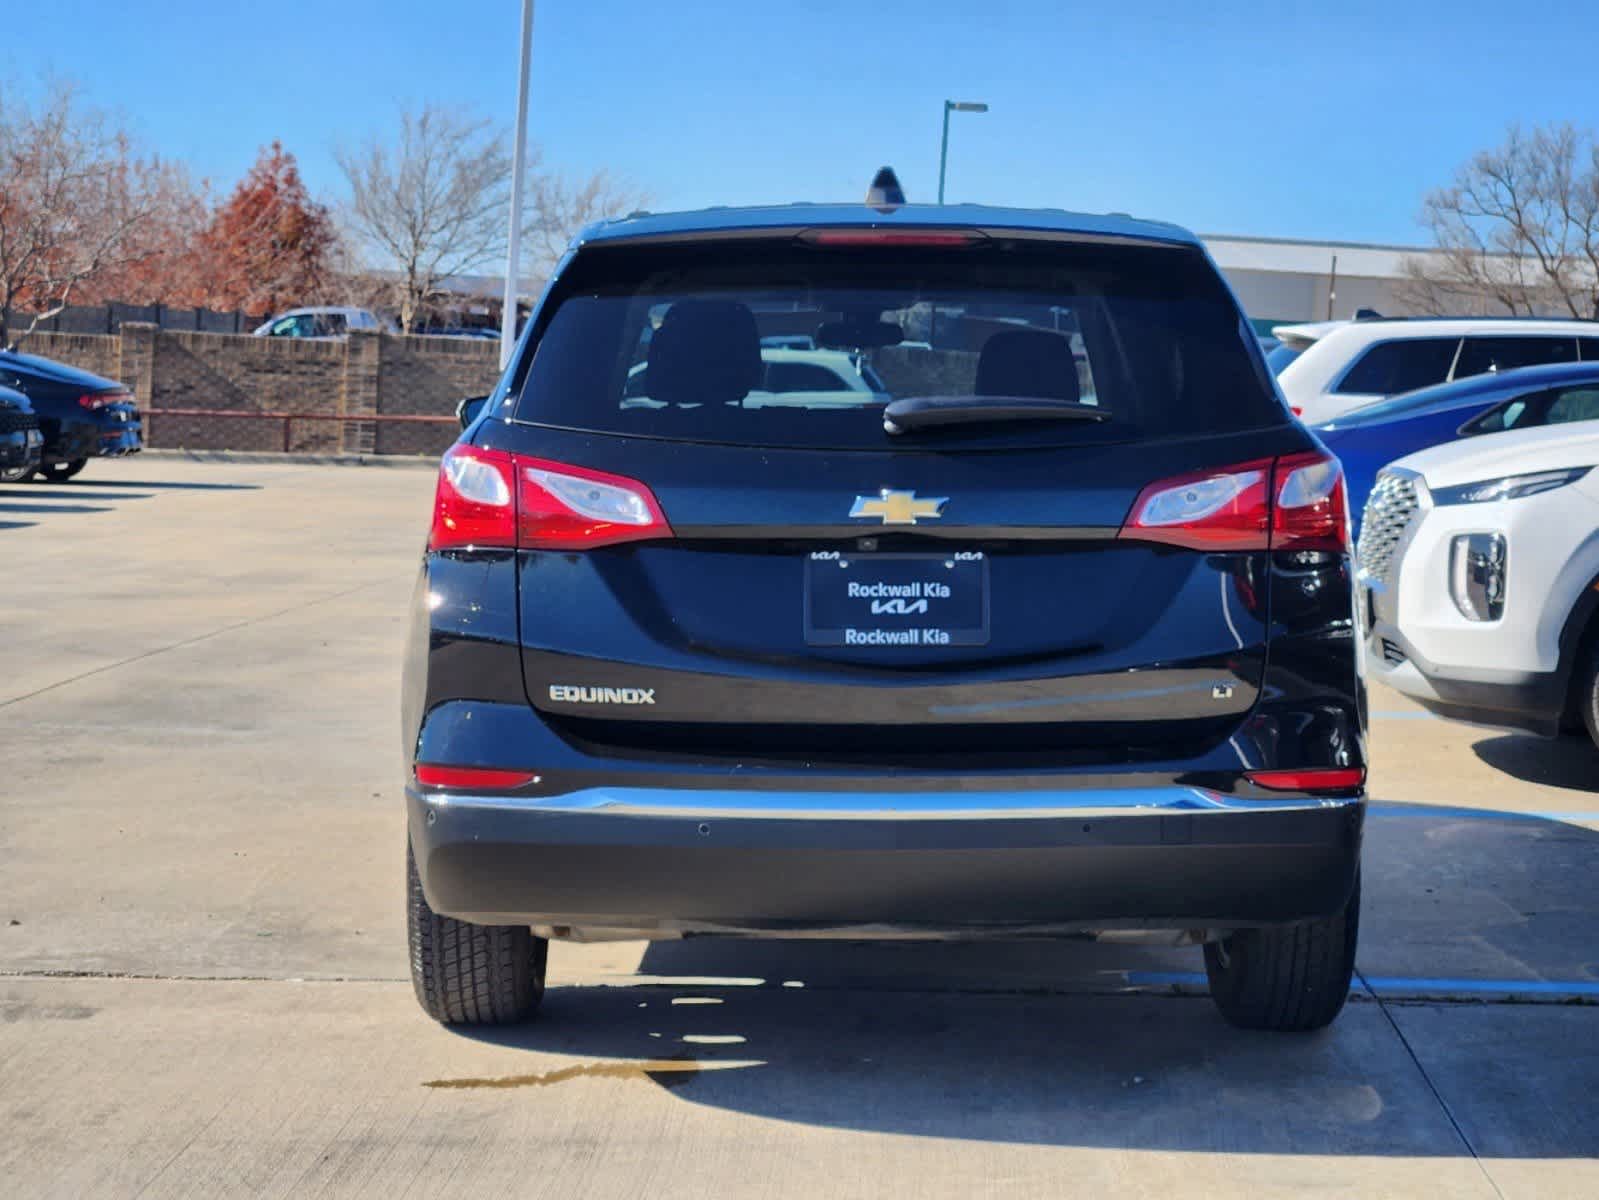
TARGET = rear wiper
(910,413)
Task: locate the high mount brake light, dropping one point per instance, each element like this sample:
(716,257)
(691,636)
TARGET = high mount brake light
(1295,502)
(1310,779)
(492,499)
(892,237)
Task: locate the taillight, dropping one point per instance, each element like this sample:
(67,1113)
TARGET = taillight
(573,508)
(474,503)
(435,775)
(1310,779)
(1311,511)
(94,400)
(1291,503)
(493,499)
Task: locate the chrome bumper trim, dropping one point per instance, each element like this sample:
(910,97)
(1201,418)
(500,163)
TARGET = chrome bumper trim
(880,806)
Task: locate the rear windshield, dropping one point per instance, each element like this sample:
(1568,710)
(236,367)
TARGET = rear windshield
(786,344)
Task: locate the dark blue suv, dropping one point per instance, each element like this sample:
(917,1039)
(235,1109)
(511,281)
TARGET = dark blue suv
(1040,626)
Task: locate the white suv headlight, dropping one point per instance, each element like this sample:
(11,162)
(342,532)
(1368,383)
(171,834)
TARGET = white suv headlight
(1508,487)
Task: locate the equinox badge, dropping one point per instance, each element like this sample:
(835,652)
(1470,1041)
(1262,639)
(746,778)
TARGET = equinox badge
(898,508)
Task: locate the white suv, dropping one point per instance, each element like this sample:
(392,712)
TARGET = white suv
(1344,364)
(1477,566)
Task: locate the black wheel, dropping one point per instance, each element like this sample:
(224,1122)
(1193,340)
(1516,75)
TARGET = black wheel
(471,974)
(60,472)
(15,474)
(1585,694)
(1290,978)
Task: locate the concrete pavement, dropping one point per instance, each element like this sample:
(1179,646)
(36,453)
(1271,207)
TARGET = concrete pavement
(198,670)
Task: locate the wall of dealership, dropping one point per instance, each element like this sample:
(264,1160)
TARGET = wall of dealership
(364,374)
(1281,280)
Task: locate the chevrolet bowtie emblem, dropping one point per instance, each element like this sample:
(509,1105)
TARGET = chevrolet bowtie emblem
(897,508)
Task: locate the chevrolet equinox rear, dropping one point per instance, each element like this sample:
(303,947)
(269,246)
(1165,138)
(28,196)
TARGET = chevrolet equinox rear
(939,572)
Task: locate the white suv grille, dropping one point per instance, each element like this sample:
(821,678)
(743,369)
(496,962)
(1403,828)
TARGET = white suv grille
(1388,511)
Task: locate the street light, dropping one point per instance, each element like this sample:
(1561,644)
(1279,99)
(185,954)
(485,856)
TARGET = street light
(513,248)
(950,106)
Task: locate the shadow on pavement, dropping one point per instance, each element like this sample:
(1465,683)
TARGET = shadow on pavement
(1565,762)
(51,508)
(57,492)
(164,485)
(1026,1042)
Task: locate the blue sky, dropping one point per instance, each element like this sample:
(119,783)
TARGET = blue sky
(1319,121)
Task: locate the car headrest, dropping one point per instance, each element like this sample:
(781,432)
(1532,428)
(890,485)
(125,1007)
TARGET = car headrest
(1028,362)
(705,352)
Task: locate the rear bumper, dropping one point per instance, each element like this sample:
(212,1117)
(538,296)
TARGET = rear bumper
(685,860)
(96,437)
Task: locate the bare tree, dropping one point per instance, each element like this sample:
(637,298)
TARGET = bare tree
(73,199)
(1518,230)
(434,202)
(559,209)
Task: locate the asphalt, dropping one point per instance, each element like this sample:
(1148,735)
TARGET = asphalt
(203,987)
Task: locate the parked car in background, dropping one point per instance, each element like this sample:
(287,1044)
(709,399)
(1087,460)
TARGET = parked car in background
(81,415)
(1342,365)
(1369,438)
(969,657)
(321,321)
(20,439)
(1477,567)
(827,376)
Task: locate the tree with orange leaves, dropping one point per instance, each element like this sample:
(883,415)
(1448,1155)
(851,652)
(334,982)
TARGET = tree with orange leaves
(269,246)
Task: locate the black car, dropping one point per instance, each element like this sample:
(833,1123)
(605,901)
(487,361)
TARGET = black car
(20,439)
(82,416)
(1034,644)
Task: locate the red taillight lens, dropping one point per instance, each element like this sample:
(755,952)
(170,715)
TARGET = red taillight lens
(1311,511)
(1208,510)
(573,508)
(475,502)
(1291,503)
(93,400)
(1310,779)
(434,775)
(491,499)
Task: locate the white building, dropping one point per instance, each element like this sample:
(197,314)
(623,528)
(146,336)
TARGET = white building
(1280,279)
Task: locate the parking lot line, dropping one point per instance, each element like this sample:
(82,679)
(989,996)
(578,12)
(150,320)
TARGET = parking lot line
(1397,987)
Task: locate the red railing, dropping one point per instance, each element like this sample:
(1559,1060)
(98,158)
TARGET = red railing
(288,418)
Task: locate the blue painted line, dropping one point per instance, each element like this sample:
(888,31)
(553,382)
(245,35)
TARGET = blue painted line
(1379,809)
(1399,985)
(1478,987)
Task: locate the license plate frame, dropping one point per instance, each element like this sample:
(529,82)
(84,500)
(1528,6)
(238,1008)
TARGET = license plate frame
(909,610)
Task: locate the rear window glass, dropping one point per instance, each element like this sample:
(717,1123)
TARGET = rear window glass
(1483,354)
(766,343)
(1400,366)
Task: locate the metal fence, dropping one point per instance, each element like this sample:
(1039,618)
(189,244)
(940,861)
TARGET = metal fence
(108,318)
(152,415)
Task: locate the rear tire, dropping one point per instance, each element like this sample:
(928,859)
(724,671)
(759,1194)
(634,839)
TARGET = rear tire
(1286,978)
(468,974)
(60,472)
(16,474)
(1586,692)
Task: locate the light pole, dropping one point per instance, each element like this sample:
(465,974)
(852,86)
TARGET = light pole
(513,250)
(950,106)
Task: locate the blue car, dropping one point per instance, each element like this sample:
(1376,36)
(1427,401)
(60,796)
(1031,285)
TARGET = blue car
(1369,438)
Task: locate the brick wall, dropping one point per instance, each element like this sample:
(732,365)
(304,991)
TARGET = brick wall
(429,375)
(368,373)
